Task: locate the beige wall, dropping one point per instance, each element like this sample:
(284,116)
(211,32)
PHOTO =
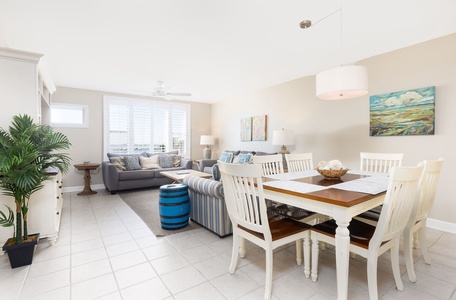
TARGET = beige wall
(88,142)
(340,130)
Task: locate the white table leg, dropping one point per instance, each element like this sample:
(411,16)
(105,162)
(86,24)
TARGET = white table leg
(342,258)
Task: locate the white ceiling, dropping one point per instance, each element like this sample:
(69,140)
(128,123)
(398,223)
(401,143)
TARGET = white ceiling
(212,48)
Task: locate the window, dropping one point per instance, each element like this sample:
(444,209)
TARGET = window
(69,115)
(136,126)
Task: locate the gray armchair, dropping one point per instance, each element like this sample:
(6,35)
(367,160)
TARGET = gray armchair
(207,204)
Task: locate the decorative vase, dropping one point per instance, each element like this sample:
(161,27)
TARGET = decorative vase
(21,254)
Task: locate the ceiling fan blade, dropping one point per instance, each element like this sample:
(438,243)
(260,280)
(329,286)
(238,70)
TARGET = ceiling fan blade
(178,94)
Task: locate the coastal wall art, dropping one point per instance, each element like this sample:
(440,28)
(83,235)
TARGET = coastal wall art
(410,112)
(259,128)
(246,129)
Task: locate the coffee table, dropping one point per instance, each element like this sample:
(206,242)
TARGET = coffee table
(178,176)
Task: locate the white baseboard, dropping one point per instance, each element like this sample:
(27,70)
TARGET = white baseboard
(441,225)
(73,189)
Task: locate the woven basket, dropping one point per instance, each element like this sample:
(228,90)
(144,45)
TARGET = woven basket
(332,174)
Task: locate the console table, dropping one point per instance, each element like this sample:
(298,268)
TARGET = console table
(87,168)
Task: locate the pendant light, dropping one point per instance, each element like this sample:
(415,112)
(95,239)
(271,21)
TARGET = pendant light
(344,82)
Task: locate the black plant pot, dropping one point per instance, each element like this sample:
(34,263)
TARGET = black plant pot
(21,254)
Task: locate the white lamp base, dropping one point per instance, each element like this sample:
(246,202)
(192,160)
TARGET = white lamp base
(207,153)
(284,151)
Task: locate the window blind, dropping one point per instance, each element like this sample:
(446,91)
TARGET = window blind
(137,126)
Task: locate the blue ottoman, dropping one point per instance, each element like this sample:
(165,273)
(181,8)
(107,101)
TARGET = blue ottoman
(174,206)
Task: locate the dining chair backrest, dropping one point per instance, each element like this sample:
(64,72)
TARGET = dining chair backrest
(244,197)
(270,164)
(402,191)
(429,183)
(380,162)
(299,162)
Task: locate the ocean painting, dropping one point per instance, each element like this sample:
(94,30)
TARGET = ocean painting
(409,112)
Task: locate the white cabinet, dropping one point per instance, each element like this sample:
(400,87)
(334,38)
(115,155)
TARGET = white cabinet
(45,209)
(25,86)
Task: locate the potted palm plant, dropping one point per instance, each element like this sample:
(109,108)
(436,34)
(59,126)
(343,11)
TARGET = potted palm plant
(27,153)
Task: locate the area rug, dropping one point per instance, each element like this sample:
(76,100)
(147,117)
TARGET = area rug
(144,203)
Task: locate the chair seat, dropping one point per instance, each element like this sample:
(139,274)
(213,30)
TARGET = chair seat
(360,232)
(291,212)
(280,228)
(370,215)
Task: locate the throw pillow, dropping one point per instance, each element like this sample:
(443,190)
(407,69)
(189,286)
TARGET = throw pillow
(149,162)
(118,162)
(132,163)
(243,158)
(177,160)
(216,175)
(166,161)
(226,157)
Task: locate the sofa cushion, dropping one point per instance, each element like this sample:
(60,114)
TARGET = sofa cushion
(149,162)
(138,174)
(118,162)
(166,161)
(132,163)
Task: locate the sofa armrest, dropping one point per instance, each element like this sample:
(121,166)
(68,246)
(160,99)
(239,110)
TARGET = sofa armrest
(186,163)
(205,186)
(206,163)
(110,176)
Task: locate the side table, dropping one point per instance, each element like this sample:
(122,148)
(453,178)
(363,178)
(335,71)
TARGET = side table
(87,168)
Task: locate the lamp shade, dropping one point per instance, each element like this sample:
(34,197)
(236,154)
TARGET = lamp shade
(207,140)
(340,83)
(283,137)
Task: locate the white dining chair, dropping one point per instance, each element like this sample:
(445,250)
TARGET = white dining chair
(299,162)
(415,230)
(270,164)
(370,241)
(248,213)
(296,162)
(379,162)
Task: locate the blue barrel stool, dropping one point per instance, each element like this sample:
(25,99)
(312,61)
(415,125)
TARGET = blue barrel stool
(174,206)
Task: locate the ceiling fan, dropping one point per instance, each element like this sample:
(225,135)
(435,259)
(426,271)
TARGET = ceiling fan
(162,91)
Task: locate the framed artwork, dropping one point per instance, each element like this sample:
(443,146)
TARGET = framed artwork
(409,112)
(246,129)
(259,128)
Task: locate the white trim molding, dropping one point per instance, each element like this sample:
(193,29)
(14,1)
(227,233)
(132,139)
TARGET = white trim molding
(79,188)
(441,225)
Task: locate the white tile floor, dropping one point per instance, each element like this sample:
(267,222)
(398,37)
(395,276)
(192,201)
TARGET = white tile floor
(105,251)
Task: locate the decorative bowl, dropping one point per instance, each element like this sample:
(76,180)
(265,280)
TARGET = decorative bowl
(332,174)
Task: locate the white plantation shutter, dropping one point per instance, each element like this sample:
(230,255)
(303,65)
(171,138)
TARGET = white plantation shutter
(118,124)
(179,128)
(137,126)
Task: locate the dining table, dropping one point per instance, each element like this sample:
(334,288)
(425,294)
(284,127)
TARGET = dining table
(341,199)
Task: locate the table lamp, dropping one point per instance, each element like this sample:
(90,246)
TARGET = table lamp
(283,137)
(207,140)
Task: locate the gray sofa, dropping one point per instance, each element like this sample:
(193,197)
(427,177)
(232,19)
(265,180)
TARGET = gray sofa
(116,179)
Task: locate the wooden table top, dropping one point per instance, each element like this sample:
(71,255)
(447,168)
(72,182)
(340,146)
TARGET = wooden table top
(330,195)
(88,166)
